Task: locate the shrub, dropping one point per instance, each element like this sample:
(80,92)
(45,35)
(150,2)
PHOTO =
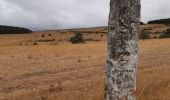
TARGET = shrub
(166,34)
(35,43)
(78,38)
(20,44)
(49,34)
(144,35)
(42,35)
(46,40)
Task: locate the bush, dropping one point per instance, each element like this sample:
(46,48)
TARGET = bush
(26,44)
(35,43)
(166,34)
(49,34)
(144,35)
(78,38)
(42,35)
(46,40)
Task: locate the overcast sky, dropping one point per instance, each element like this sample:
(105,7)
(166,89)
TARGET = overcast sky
(53,14)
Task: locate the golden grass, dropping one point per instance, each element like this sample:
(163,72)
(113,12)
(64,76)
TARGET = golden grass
(27,72)
(153,78)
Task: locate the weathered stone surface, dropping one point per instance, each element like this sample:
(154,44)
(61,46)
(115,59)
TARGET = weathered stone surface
(124,20)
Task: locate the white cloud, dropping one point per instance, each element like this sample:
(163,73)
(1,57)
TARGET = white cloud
(155,9)
(52,14)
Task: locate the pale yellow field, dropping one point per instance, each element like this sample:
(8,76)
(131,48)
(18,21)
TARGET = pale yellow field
(75,72)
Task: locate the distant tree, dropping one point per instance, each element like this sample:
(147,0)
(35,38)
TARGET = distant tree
(78,38)
(13,30)
(160,21)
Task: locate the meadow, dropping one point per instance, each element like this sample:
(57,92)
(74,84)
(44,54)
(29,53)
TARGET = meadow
(55,69)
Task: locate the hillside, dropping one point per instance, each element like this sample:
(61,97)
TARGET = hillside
(99,33)
(44,65)
(32,67)
(13,30)
(160,21)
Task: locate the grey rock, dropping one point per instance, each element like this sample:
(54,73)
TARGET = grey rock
(123,37)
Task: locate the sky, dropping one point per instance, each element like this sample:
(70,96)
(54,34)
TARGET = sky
(61,14)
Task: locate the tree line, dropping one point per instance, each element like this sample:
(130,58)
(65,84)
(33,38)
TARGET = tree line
(13,30)
(160,21)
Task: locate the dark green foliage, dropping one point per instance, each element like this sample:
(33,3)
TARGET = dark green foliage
(78,38)
(160,21)
(144,35)
(13,30)
(166,34)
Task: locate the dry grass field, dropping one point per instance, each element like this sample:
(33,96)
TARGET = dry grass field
(65,71)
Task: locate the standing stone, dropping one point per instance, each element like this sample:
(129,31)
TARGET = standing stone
(124,20)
